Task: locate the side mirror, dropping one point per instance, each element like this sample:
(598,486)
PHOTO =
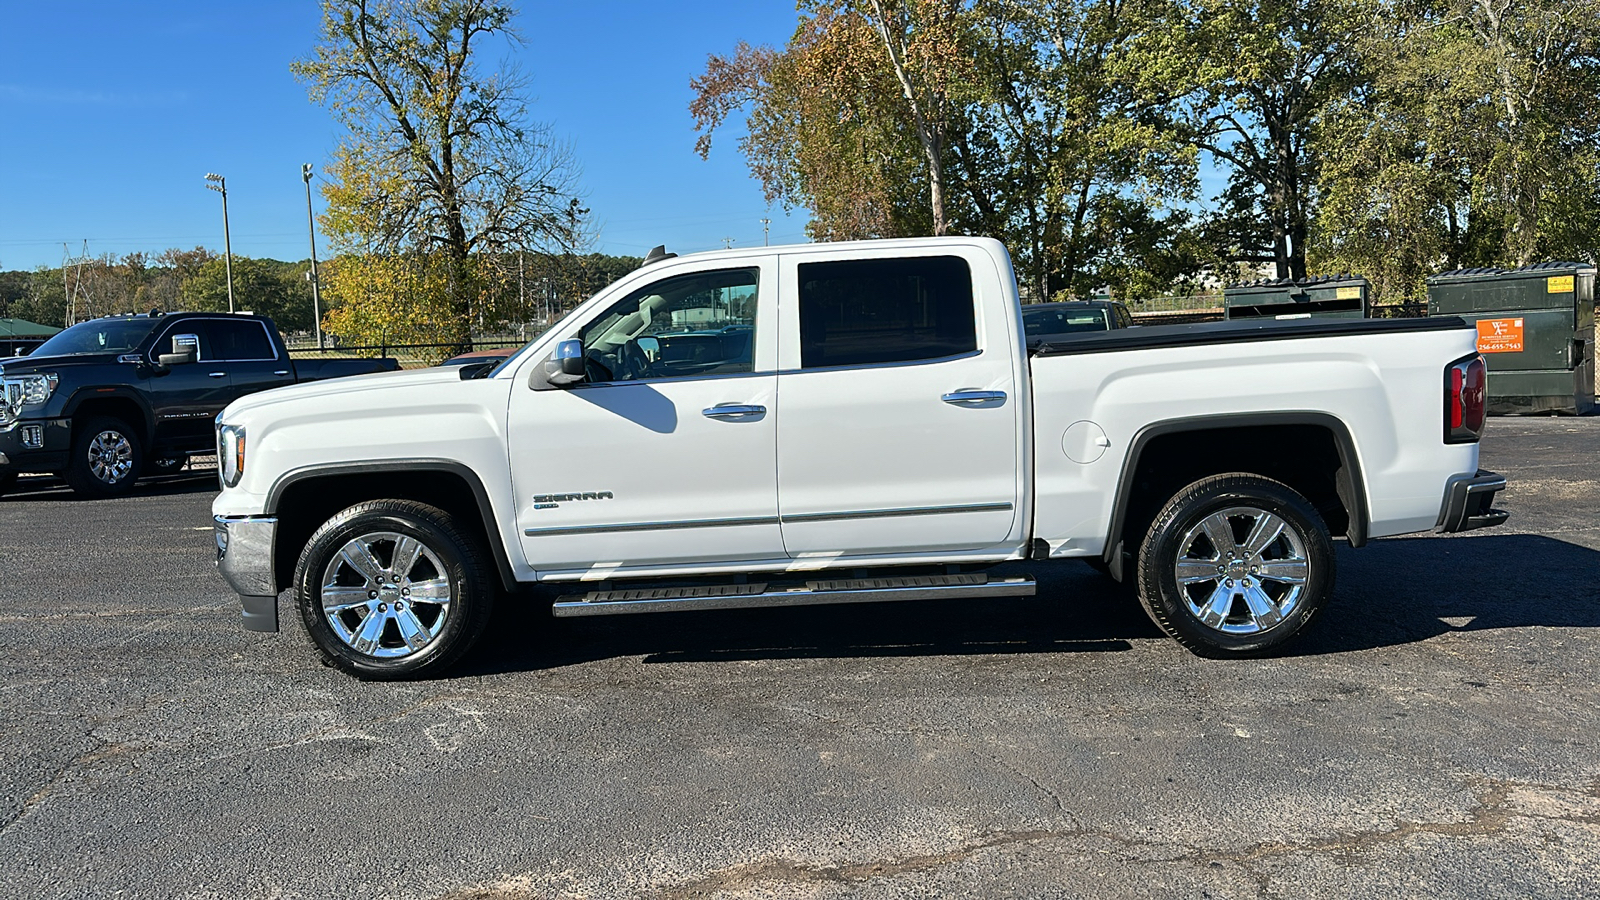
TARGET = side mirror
(185,350)
(566,365)
(650,346)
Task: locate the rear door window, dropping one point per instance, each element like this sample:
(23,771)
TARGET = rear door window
(240,340)
(871,311)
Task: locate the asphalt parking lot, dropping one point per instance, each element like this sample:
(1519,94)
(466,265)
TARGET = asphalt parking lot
(1436,734)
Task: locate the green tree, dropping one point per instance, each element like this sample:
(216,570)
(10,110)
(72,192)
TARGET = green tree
(265,287)
(1006,118)
(441,160)
(1477,143)
(1245,81)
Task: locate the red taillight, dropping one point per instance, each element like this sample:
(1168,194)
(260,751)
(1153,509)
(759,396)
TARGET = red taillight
(1466,400)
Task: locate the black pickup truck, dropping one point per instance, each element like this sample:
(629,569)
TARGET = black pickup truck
(109,400)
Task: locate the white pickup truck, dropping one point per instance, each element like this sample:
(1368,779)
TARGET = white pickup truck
(833,423)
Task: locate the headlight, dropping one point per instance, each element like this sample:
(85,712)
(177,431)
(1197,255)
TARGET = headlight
(230,454)
(17,391)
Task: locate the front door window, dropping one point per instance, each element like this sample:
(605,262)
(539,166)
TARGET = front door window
(699,324)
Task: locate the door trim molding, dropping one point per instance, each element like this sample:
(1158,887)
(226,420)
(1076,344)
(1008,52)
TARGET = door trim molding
(905,511)
(649,526)
(771,520)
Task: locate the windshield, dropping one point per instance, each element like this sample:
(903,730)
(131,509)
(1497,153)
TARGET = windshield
(1063,321)
(98,336)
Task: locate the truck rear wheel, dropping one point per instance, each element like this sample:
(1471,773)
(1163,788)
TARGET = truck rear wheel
(1235,565)
(393,589)
(107,458)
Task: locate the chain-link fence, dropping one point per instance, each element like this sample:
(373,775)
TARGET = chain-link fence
(410,356)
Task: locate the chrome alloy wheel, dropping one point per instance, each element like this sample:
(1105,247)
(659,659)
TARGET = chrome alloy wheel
(1242,570)
(110,456)
(386,595)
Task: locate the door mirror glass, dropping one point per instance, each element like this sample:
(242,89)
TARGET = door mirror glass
(185,349)
(650,347)
(565,366)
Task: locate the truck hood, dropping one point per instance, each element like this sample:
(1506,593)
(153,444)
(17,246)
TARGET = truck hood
(23,365)
(390,382)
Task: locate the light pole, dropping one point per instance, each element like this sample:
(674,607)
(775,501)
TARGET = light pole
(311,223)
(219,184)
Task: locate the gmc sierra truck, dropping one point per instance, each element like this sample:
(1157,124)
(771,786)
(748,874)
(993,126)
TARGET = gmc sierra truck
(109,400)
(867,425)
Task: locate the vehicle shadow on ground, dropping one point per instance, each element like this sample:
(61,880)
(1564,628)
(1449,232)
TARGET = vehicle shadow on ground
(1075,611)
(1406,590)
(48,488)
(1390,593)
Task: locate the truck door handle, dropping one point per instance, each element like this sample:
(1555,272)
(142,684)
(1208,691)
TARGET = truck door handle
(219,374)
(733,411)
(959,397)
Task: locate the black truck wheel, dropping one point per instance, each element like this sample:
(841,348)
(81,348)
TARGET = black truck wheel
(107,458)
(1235,565)
(393,589)
(8,480)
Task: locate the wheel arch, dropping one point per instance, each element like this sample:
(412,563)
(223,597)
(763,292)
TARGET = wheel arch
(1325,438)
(118,402)
(302,499)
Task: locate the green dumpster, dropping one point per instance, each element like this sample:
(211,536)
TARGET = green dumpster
(1535,329)
(1327,297)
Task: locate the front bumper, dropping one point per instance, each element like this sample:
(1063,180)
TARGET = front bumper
(1468,501)
(35,445)
(244,558)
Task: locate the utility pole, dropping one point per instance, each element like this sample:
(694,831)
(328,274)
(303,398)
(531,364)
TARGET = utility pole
(219,184)
(727,243)
(66,293)
(766,226)
(311,224)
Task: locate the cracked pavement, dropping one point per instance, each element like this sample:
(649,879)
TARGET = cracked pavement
(1433,735)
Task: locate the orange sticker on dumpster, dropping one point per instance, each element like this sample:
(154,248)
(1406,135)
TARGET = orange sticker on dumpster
(1499,335)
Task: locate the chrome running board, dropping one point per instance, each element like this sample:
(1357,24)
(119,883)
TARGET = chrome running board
(807,593)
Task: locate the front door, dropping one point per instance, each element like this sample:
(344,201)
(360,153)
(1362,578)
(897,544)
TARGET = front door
(665,453)
(899,427)
(186,398)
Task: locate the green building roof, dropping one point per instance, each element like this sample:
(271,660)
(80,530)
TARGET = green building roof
(20,328)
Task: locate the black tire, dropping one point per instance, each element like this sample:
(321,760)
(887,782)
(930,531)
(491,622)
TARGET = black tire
(107,457)
(1239,609)
(8,480)
(445,630)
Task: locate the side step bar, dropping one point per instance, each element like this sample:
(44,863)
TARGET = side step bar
(808,593)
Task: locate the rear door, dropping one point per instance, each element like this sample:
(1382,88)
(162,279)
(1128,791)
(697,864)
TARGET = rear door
(250,356)
(898,423)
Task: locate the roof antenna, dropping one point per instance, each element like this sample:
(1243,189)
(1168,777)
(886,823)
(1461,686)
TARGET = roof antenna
(657,254)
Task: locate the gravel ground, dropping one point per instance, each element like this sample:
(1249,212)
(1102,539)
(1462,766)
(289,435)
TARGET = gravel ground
(1434,735)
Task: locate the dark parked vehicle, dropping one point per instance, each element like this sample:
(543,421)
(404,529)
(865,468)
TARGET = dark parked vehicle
(109,400)
(1042,320)
(477,357)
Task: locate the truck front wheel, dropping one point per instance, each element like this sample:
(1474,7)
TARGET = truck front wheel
(106,460)
(1235,565)
(393,589)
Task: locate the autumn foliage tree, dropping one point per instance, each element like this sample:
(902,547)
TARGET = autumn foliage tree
(440,168)
(1006,118)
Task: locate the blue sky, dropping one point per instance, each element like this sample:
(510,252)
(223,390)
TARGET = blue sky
(114,111)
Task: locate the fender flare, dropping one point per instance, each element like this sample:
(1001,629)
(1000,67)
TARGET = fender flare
(1349,483)
(497,548)
(89,393)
